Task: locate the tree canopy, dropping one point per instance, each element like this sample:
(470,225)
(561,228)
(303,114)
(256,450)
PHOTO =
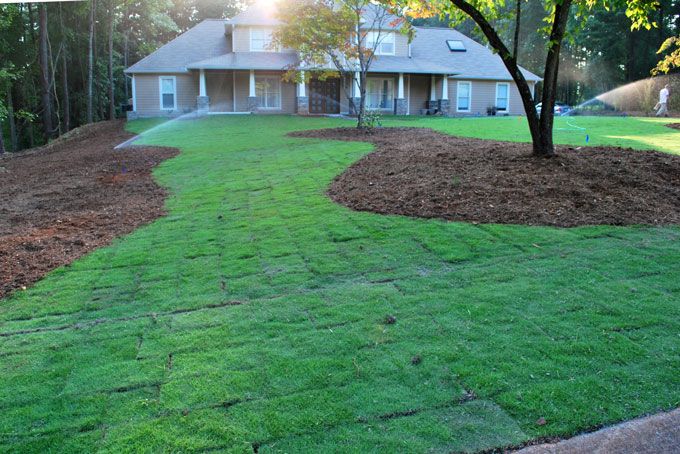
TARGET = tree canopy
(488,16)
(124,31)
(332,39)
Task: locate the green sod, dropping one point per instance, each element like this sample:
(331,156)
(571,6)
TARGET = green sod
(251,317)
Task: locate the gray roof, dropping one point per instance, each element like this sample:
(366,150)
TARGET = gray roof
(205,40)
(206,47)
(477,62)
(391,64)
(248,60)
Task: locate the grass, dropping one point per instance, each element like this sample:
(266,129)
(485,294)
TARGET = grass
(251,317)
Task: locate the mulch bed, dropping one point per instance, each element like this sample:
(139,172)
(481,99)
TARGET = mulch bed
(422,173)
(674,125)
(76,194)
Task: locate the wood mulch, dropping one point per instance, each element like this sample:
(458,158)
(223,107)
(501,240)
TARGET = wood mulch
(421,173)
(74,195)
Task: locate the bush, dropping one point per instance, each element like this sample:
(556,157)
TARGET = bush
(372,119)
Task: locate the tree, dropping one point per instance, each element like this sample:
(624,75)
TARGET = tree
(670,60)
(45,75)
(332,39)
(484,12)
(112,92)
(90,63)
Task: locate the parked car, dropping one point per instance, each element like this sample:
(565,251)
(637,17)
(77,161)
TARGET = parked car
(560,108)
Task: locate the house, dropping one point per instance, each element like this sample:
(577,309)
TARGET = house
(230,66)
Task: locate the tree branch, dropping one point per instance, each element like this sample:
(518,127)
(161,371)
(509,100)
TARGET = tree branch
(510,63)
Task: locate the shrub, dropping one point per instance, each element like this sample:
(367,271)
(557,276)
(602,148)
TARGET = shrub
(372,119)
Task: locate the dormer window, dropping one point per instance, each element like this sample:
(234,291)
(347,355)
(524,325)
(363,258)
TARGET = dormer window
(382,42)
(260,40)
(456,45)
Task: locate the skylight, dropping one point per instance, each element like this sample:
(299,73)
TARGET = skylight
(456,45)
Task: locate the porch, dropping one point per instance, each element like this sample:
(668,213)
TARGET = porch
(249,91)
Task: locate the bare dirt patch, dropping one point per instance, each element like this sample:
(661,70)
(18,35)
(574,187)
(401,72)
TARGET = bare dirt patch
(674,125)
(422,173)
(76,194)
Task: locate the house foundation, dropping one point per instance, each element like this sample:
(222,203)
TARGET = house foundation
(303,105)
(401,107)
(252,104)
(202,105)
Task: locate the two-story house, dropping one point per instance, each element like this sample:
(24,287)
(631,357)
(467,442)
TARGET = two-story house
(230,66)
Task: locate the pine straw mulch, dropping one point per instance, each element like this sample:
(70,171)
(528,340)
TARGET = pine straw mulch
(74,195)
(421,173)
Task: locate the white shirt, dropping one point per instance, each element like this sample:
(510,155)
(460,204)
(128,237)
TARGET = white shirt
(663,96)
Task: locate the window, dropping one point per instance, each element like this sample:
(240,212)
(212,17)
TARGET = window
(463,96)
(502,97)
(260,40)
(268,92)
(168,91)
(379,93)
(381,42)
(456,45)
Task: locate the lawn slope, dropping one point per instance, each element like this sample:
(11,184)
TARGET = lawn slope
(253,318)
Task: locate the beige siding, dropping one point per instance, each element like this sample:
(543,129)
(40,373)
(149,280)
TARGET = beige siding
(147,91)
(241,39)
(400,45)
(484,95)
(219,88)
(419,93)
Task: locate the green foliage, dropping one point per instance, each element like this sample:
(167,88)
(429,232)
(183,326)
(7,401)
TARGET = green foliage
(670,61)
(373,119)
(576,331)
(140,27)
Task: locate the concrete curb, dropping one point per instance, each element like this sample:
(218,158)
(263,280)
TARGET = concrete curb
(657,434)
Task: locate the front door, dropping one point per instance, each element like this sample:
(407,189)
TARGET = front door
(324,96)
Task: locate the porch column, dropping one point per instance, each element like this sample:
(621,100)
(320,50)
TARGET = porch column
(252,96)
(302,100)
(400,107)
(444,101)
(432,103)
(202,101)
(132,114)
(201,84)
(356,92)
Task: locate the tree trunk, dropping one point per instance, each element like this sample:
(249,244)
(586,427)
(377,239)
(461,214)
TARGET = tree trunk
(518,18)
(67,101)
(2,141)
(511,65)
(12,122)
(45,75)
(361,114)
(66,120)
(552,64)
(126,50)
(90,63)
(541,129)
(630,57)
(112,100)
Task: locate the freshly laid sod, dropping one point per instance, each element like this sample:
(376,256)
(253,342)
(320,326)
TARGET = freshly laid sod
(253,316)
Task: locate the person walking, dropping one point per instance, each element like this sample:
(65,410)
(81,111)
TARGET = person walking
(664,94)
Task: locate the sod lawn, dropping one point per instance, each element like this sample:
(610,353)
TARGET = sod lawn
(252,318)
